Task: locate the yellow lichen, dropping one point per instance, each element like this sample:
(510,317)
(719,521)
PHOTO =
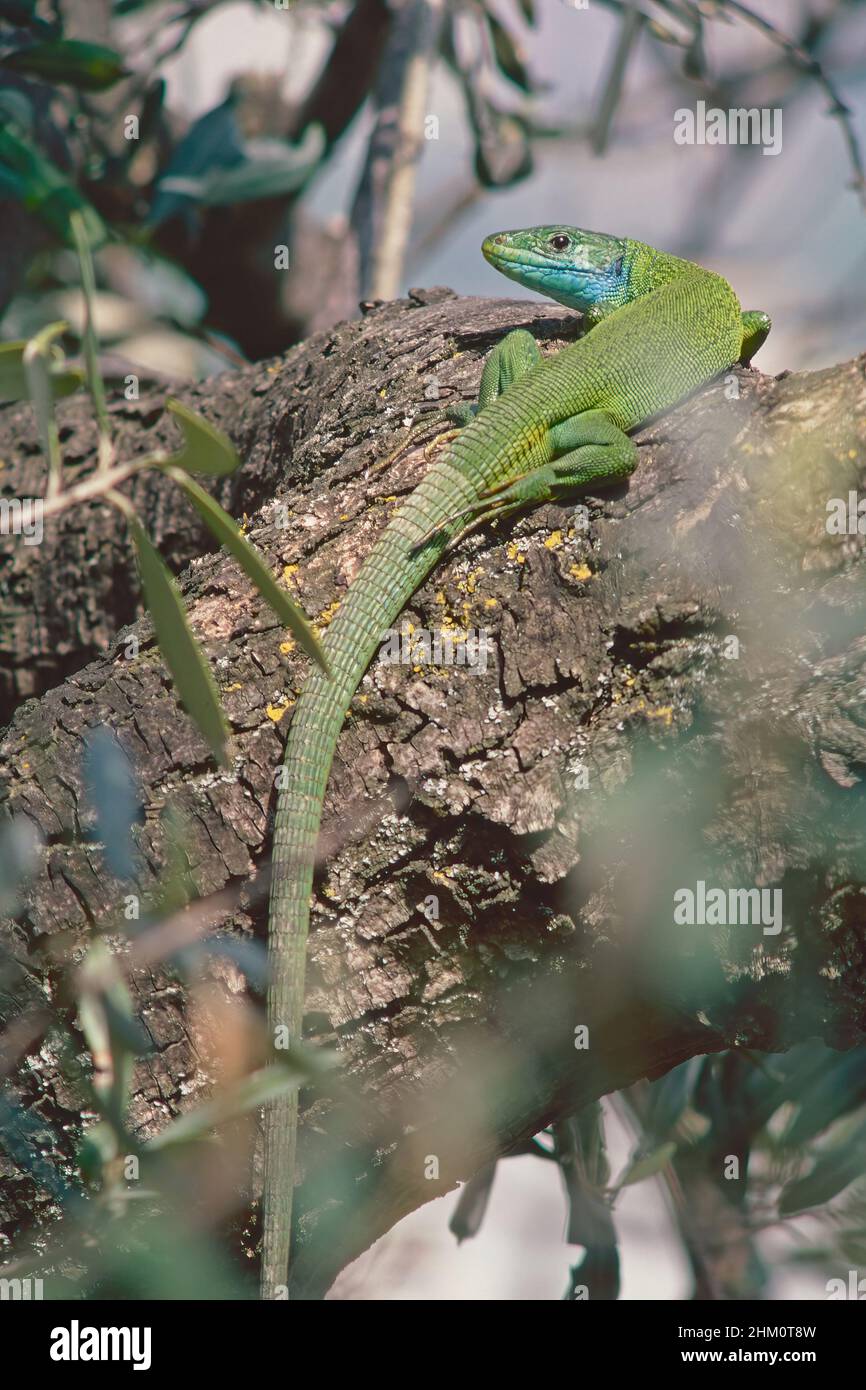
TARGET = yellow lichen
(276,712)
(663,712)
(328,613)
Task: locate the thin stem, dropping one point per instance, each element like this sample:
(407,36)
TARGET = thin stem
(36,367)
(98,485)
(632,23)
(802,58)
(91,347)
(383,203)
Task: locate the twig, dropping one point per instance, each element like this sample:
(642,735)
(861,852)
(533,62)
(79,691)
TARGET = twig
(383,203)
(37,371)
(805,60)
(632,23)
(105,456)
(798,55)
(96,485)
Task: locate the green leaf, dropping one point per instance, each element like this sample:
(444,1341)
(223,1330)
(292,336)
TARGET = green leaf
(668,1098)
(43,189)
(254,1091)
(205,448)
(270,170)
(113,793)
(88,66)
(13,379)
(508,59)
(106,1019)
(647,1166)
(16,107)
(835,1169)
(226,530)
(824,1183)
(183,656)
(97,1149)
(527,9)
(837,1086)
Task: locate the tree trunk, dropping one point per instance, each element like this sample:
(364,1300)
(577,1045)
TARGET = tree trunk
(668,691)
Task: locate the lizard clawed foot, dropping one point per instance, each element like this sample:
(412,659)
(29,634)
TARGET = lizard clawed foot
(499,488)
(439,439)
(493,504)
(458,415)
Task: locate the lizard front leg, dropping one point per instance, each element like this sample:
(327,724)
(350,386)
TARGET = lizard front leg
(511,359)
(756,326)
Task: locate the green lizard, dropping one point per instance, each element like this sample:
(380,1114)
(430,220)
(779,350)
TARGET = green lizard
(542,429)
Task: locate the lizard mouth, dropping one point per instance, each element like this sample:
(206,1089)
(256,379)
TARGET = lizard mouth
(498,252)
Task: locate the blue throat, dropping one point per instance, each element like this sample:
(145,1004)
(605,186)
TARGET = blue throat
(575,287)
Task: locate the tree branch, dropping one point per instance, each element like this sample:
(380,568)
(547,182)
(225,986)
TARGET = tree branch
(505,843)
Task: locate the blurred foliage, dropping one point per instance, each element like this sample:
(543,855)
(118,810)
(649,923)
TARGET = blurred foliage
(135,1217)
(38,369)
(794,1122)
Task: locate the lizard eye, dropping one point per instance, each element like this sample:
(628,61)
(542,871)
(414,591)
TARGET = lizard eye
(560,242)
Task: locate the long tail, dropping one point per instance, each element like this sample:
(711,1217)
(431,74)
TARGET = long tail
(389,577)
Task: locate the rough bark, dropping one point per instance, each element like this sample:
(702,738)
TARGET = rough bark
(617,747)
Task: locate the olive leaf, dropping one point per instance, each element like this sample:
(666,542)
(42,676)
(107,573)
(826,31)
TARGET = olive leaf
(647,1165)
(205,448)
(226,530)
(90,67)
(183,656)
(13,377)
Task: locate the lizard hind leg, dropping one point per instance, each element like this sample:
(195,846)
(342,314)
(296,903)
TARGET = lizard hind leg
(756,327)
(587,450)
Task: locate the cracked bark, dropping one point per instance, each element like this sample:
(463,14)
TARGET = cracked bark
(610,663)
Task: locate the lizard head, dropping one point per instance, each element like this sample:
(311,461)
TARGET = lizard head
(584,270)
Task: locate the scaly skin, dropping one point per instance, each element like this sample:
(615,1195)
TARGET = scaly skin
(661,328)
